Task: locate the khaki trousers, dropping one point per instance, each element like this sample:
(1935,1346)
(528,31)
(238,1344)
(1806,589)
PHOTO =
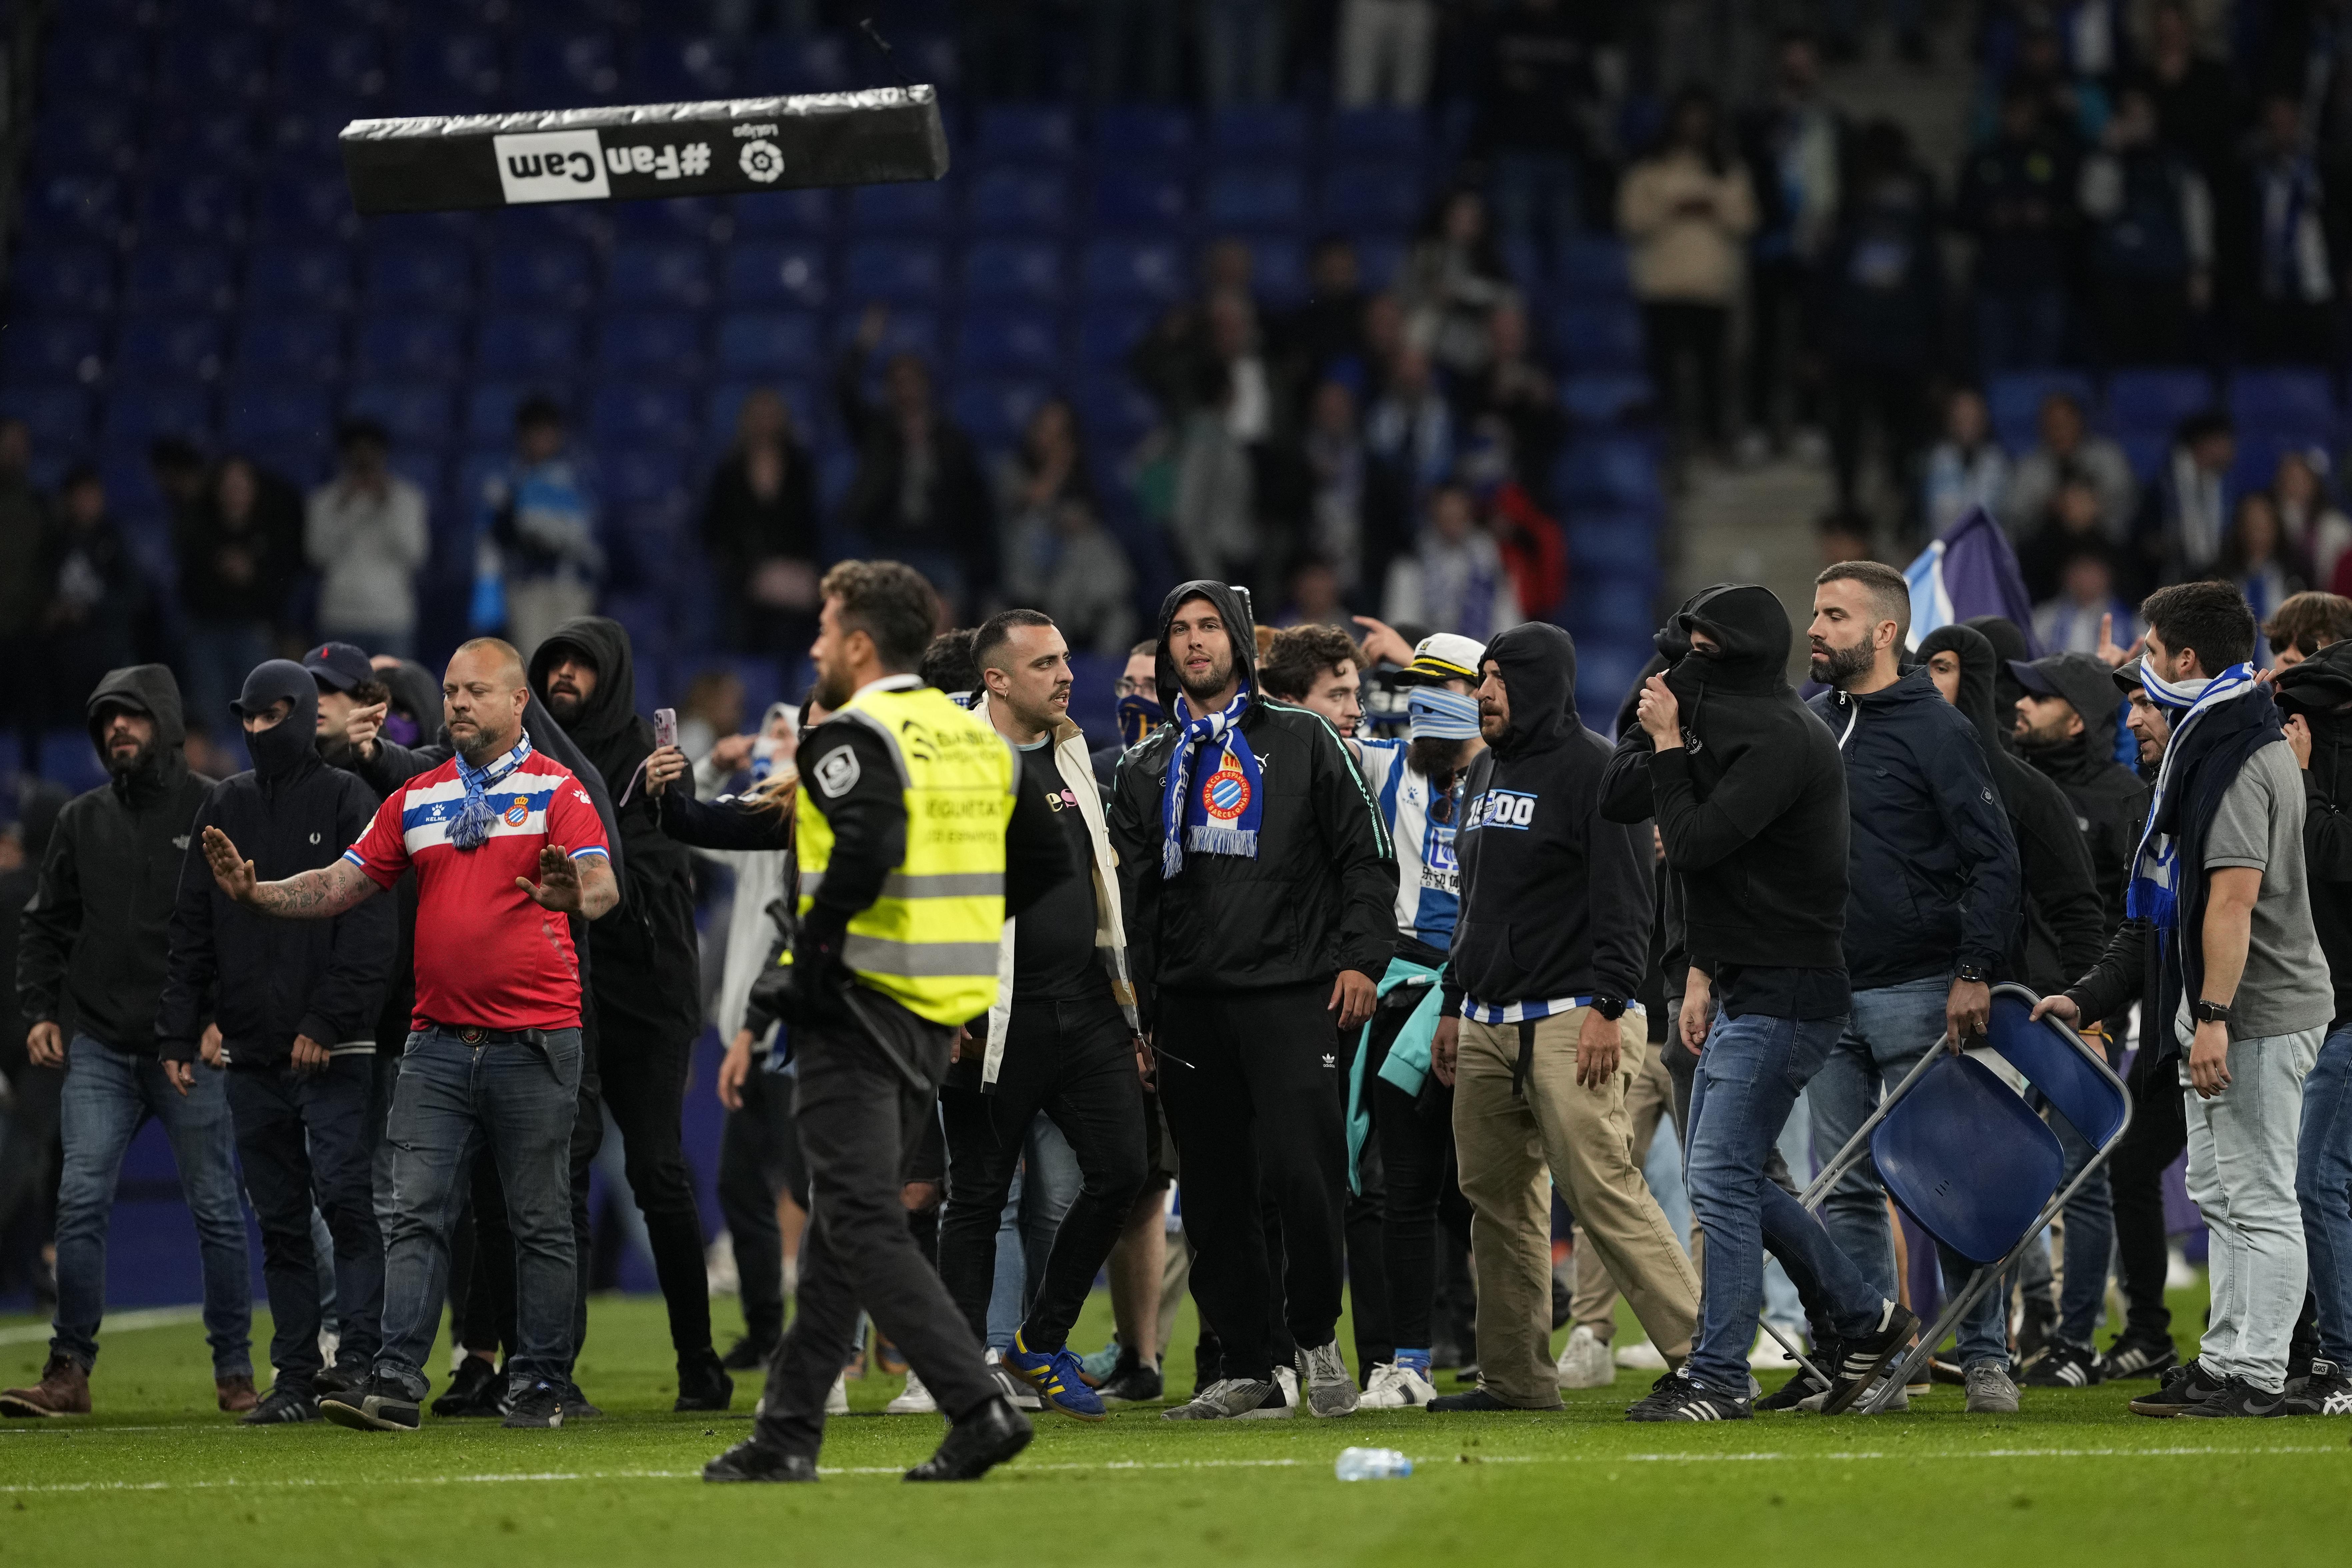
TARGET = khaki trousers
(1646,1104)
(1503,1142)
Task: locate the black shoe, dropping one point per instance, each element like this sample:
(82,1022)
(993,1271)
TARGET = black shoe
(1805,1385)
(379,1405)
(1137,1385)
(747,1354)
(2063,1366)
(1476,1399)
(478,1388)
(2035,1326)
(539,1406)
(2238,1397)
(2324,1391)
(1860,1360)
(1675,1398)
(2183,1387)
(703,1385)
(752,1460)
(340,1378)
(575,1403)
(2129,1358)
(977,1444)
(1563,1303)
(285,1402)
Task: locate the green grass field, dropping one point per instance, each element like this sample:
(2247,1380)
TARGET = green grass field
(158,1475)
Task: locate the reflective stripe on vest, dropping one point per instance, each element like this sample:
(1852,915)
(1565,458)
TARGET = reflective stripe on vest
(930,941)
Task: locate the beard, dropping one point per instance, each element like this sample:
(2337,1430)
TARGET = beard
(832,690)
(123,767)
(564,704)
(1220,676)
(1839,666)
(2037,739)
(1434,758)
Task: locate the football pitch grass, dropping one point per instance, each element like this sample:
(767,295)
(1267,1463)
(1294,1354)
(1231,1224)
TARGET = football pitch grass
(157,1475)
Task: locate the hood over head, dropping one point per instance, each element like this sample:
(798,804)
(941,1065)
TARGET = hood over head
(291,746)
(1238,629)
(1539,664)
(2319,686)
(416,691)
(610,711)
(149,689)
(1751,628)
(1977,663)
(2008,643)
(2086,684)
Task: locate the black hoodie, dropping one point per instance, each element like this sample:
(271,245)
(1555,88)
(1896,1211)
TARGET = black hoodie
(262,979)
(2320,689)
(646,972)
(1751,807)
(2065,920)
(1556,898)
(2008,641)
(114,857)
(2110,801)
(1320,895)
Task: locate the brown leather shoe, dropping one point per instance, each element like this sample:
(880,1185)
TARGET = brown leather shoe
(237,1395)
(64,1390)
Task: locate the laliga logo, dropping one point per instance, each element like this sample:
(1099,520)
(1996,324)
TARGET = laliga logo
(763,161)
(1227,795)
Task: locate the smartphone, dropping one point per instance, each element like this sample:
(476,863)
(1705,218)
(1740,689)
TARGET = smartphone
(664,727)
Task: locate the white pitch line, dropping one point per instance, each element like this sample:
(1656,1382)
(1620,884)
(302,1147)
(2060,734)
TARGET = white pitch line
(120,1322)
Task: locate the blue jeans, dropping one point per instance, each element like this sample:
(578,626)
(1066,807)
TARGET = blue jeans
(1043,1190)
(1747,1080)
(1891,1030)
(2323,1184)
(451,1100)
(107,1096)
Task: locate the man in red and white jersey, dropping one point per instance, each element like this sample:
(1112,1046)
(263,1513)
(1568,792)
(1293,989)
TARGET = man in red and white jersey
(493,1060)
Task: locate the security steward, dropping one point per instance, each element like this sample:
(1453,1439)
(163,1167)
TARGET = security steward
(917,839)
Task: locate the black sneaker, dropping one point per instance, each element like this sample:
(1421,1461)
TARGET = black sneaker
(2129,1358)
(540,1405)
(1860,1360)
(752,1460)
(1135,1384)
(2238,1397)
(477,1389)
(1802,1387)
(2063,1365)
(379,1405)
(747,1354)
(576,1407)
(976,1445)
(1476,1400)
(703,1385)
(2036,1326)
(342,1377)
(1675,1398)
(2182,1386)
(285,1402)
(2324,1391)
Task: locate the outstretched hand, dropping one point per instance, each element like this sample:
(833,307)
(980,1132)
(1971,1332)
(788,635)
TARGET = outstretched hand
(558,887)
(2110,655)
(1384,643)
(362,728)
(231,871)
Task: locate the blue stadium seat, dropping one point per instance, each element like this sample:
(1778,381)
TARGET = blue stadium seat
(185,277)
(206,65)
(781,63)
(198,142)
(895,270)
(408,411)
(1592,267)
(2014,402)
(1141,196)
(1009,269)
(565,71)
(771,342)
(58,417)
(2144,451)
(1131,130)
(41,348)
(87,139)
(1379,197)
(267,411)
(638,477)
(1027,132)
(777,272)
(1278,270)
(1616,472)
(1619,546)
(1255,196)
(84,63)
(349,63)
(1014,199)
(658,272)
(272,342)
(47,277)
(557,275)
(1604,399)
(488,413)
(2295,401)
(202,207)
(138,413)
(68,759)
(914,208)
(449,72)
(990,342)
(638,411)
(666,68)
(410,346)
(75,206)
(2260,447)
(1376,133)
(524,343)
(1271,132)
(1107,333)
(1113,409)
(1604,336)
(993,410)
(909,330)
(175,346)
(785,214)
(675,217)
(422,276)
(2157,399)
(1128,270)
(298,207)
(663,344)
(299,276)
(1961,1118)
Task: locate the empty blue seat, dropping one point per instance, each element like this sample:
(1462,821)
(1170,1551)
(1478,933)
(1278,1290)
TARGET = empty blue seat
(138,413)
(1255,196)
(770,342)
(666,68)
(1621,546)
(2297,400)
(1107,333)
(1603,399)
(295,206)
(908,330)
(487,416)
(1593,266)
(781,63)
(1113,409)
(271,341)
(87,139)
(1131,270)
(785,214)
(205,64)
(639,476)
(349,62)
(565,71)
(1008,342)
(993,410)
(2013,401)
(1272,132)
(1009,269)
(777,272)
(658,272)
(523,343)
(2260,447)
(69,760)
(449,72)
(1606,337)
(1277,268)
(1375,197)
(1014,199)
(299,276)
(434,277)
(1141,196)
(264,410)
(918,207)
(1133,130)
(1376,132)
(203,207)
(2157,399)
(40,347)
(185,277)
(410,346)
(640,411)
(662,343)
(58,417)
(1027,132)
(200,141)
(675,217)
(893,270)
(48,277)
(85,62)
(74,206)
(2144,450)
(558,275)
(175,346)
(408,411)
(1611,473)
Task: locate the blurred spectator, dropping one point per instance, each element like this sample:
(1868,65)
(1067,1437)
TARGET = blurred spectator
(2253,556)
(1684,210)
(1538,98)
(1312,595)
(1048,467)
(1135,48)
(2187,511)
(2068,110)
(92,589)
(1534,550)
(1882,285)
(1341,480)
(1061,560)
(1794,146)
(1965,469)
(239,552)
(1213,515)
(179,471)
(2016,199)
(920,495)
(1221,328)
(539,550)
(760,531)
(1844,534)
(711,708)
(1242,50)
(1411,429)
(1384,334)
(1453,278)
(25,525)
(1518,392)
(1327,329)
(2068,622)
(2152,238)
(1842,21)
(2072,521)
(1454,580)
(346,679)
(1386,50)
(2067,450)
(2286,239)
(2196,101)
(2305,623)
(2318,532)
(366,533)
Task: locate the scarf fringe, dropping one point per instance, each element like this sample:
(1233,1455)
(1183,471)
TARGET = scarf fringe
(1215,841)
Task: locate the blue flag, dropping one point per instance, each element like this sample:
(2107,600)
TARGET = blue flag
(1970,572)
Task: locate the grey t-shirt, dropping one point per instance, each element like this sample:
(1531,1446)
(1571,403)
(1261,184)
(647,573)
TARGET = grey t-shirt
(2286,988)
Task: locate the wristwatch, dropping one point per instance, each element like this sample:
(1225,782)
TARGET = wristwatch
(1970,974)
(1610,1007)
(2212,1012)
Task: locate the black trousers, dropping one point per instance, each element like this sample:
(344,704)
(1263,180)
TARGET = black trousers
(1258,1111)
(858,1114)
(1680,330)
(759,1157)
(1416,1138)
(304,1139)
(643,1084)
(1072,1060)
(1366,1231)
(2158,1132)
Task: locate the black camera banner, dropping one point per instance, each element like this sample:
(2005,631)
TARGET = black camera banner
(724,147)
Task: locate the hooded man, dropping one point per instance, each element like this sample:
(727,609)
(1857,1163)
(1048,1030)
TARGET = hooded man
(90,972)
(2066,727)
(1260,911)
(2008,641)
(296,1006)
(1542,1034)
(1750,801)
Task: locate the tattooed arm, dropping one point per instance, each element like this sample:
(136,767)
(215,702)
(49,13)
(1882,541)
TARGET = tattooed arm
(319,894)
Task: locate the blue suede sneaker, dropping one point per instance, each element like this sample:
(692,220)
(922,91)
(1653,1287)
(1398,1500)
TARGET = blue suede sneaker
(1054,1376)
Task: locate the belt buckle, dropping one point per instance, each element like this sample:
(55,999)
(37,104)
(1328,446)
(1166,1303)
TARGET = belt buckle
(470,1036)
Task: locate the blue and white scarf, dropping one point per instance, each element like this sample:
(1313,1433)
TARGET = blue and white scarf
(1441,714)
(1221,817)
(2154,892)
(471,828)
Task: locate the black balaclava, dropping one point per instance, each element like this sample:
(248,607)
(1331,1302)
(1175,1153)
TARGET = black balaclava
(281,751)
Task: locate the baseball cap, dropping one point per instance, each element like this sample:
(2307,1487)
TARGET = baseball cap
(341,666)
(1442,656)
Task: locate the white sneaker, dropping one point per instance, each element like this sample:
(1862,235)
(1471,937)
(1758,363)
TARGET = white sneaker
(835,1403)
(1282,1404)
(1330,1390)
(1227,1399)
(1585,1363)
(1898,1403)
(1767,1355)
(1394,1387)
(1641,1356)
(915,1400)
(1019,1393)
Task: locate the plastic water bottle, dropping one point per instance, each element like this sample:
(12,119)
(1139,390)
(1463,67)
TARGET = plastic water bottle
(1371,1465)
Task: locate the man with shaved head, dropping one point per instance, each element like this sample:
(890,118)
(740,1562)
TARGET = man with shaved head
(493,1055)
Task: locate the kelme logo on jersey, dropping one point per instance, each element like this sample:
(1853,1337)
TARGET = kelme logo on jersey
(1225,794)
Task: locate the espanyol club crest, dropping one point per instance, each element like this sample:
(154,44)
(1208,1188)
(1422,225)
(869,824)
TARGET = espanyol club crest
(1225,794)
(519,811)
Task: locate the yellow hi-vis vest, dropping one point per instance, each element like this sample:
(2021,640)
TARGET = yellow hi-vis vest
(930,943)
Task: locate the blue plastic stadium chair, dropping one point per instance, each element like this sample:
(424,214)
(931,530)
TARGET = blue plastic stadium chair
(409,346)
(486,417)
(1132,130)
(1268,131)
(299,276)
(819,64)
(666,344)
(2014,400)
(1132,270)
(525,343)
(1109,333)
(658,272)
(409,411)
(1378,197)
(1255,196)
(196,142)
(1018,199)
(449,72)
(50,277)
(1027,271)
(165,277)
(2286,401)
(87,139)
(173,346)
(675,217)
(68,759)
(1592,267)
(917,209)
(138,413)
(206,65)
(554,275)
(1376,132)
(1112,409)
(56,415)
(992,410)
(1278,273)
(86,63)
(74,206)
(274,342)
(909,330)
(640,475)
(666,69)
(349,62)
(638,411)
(419,276)
(1604,399)
(1027,132)
(785,214)
(295,205)
(1616,472)
(1141,196)
(265,409)
(901,271)
(989,342)
(770,342)
(1598,337)
(39,349)
(2144,451)
(1618,545)
(565,71)
(197,206)
(2157,399)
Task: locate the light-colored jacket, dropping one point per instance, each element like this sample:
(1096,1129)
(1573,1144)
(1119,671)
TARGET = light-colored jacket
(750,930)
(368,551)
(1678,258)
(1076,766)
